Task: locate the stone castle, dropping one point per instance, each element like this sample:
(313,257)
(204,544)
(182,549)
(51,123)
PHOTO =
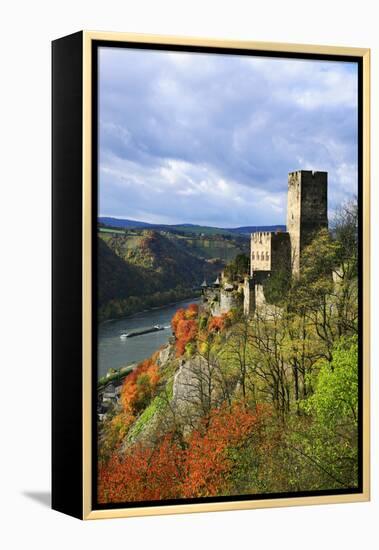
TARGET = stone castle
(307,213)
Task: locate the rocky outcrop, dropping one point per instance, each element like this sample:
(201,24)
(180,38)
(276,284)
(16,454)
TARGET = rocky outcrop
(164,355)
(197,388)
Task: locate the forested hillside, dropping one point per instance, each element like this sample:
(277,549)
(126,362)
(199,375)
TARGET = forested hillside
(142,269)
(236,406)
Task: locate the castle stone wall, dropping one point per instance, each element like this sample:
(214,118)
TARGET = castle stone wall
(260,299)
(293,217)
(281,252)
(260,251)
(314,205)
(270,251)
(228,301)
(248,297)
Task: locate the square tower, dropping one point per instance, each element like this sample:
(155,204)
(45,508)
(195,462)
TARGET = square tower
(269,251)
(307,210)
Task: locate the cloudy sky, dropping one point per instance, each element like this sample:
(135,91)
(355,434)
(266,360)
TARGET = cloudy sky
(210,139)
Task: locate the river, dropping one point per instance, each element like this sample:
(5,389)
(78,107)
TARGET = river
(115,352)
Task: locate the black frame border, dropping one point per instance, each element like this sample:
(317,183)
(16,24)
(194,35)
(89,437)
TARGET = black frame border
(67,258)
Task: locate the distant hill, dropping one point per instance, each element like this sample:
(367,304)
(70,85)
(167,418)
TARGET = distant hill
(188,227)
(246,230)
(154,271)
(116,222)
(118,279)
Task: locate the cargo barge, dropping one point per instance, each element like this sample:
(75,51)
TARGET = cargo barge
(155,328)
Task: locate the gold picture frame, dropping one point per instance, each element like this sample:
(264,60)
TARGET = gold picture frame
(83,47)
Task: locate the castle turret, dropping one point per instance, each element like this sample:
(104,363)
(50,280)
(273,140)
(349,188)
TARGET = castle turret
(217,282)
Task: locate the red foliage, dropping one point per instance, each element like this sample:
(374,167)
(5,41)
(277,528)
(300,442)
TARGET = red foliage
(180,315)
(192,311)
(185,327)
(143,474)
(167,470)
(186,332)
(208,462)
(216,324)
(133,391)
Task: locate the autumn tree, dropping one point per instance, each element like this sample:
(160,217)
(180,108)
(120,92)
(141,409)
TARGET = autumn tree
(204,467)
(185,328)
(142,473)
(213,449)
(139,386)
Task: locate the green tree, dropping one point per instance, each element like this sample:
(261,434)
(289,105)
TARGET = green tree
(345,230)
(336,388)
(276,287)
(237,268)
(330,442)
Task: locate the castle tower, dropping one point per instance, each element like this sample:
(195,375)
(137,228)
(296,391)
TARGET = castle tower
(269,251)
(307,210)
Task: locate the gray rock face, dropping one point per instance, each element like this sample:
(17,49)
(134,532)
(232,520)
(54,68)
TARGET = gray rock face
(164,355)
(197,388)
(187,383)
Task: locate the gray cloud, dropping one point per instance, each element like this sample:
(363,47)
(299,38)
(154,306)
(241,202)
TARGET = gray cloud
(210,138)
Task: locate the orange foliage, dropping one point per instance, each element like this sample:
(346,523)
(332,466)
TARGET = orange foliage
(186,332)
(139,386)
(208,463)
(180,315)
(185,327)
(192,311)
(113,434)
(167,470)
(216,324)
(143,474)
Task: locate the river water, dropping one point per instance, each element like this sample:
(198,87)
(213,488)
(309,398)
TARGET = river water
(115,352)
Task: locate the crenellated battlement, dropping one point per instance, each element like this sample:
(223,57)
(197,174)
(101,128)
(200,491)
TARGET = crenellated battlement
(269,251)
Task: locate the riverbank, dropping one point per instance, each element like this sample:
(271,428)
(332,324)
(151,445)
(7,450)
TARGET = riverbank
(115,352)
(122,308)
(152,308)
(116,376)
